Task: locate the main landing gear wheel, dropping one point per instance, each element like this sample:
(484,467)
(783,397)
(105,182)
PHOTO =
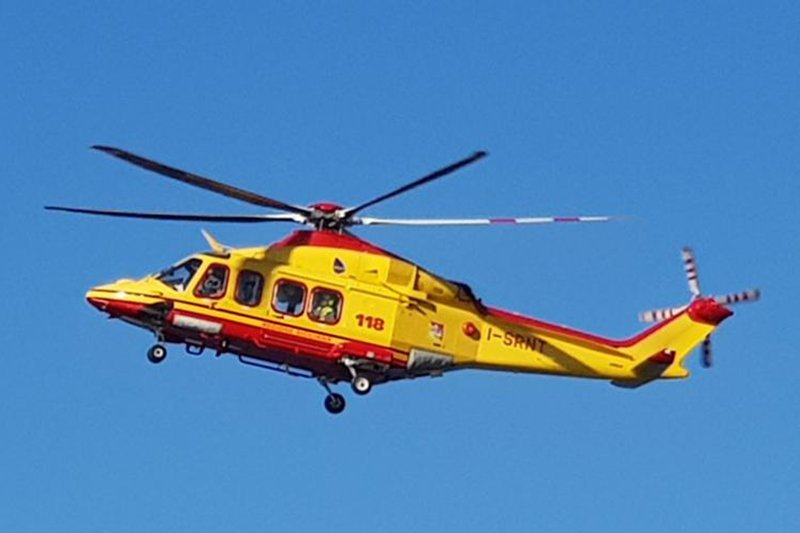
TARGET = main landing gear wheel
(361,385)
(157,353)
(334,403)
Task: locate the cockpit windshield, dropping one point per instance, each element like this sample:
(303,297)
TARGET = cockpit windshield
(178,276)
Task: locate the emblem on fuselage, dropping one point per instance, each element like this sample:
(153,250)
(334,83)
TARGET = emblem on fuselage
(437,331)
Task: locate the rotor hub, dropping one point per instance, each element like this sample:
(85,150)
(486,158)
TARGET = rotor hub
(327,208)
(326,215)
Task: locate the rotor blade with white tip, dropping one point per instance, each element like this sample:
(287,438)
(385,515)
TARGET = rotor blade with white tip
(657,315)
(690,266)
(738,297)
(288,217)
(370,221)
(201,182)
(707,354)
(444,171)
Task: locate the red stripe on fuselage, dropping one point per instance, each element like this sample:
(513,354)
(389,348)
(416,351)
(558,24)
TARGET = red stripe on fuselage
(267,337)
(574,333)
(329,239)
(243,315)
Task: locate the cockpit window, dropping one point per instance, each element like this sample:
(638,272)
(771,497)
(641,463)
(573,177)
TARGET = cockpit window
(179,276)
(214,282)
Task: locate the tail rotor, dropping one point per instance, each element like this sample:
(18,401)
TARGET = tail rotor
(692,278)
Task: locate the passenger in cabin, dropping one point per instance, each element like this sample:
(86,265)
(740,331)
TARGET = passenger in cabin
(214,283)
(248,291)
(289,298)
(326,307)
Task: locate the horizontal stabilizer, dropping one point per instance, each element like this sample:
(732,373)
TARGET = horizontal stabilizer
(648,370)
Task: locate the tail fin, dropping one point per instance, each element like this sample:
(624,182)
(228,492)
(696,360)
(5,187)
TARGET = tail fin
(656,351)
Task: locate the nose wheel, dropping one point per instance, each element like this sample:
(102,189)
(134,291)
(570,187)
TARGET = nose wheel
(334,403)
(157,353)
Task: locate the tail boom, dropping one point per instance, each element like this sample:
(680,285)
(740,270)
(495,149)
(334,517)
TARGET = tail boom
(517,343)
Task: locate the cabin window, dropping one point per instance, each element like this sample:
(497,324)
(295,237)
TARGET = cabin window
(249,288)
(326,306)
(214,282)
(289,298)
(178,276)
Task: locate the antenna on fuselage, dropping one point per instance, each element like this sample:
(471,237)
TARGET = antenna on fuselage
(214,243)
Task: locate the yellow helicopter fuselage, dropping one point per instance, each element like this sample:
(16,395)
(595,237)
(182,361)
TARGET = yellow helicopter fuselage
(386,317)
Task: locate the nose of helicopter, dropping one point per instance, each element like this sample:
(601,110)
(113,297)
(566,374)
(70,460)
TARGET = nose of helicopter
(110,298)
(121,298)
(94,300)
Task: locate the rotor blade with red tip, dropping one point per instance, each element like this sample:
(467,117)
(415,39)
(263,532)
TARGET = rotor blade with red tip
(370,221)
(201,182)
(416,183)
(738,297)
(288,217)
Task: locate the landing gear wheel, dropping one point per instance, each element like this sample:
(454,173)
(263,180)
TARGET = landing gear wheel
(334,403)
(361,385)
(157,353)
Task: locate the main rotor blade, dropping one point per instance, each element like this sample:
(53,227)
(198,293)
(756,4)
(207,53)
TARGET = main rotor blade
(180,216)
(421,181)
(370,221)
(199,181)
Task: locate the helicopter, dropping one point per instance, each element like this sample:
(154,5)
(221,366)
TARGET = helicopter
(327,305)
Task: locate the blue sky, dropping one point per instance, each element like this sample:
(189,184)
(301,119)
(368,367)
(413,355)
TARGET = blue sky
(684,117)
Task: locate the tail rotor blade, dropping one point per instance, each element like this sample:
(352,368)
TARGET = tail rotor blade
(657,315)
(707,355)
(690,266)
(738,297)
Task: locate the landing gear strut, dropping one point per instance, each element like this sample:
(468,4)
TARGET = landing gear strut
(157,353)
(334,402)
(360,384)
